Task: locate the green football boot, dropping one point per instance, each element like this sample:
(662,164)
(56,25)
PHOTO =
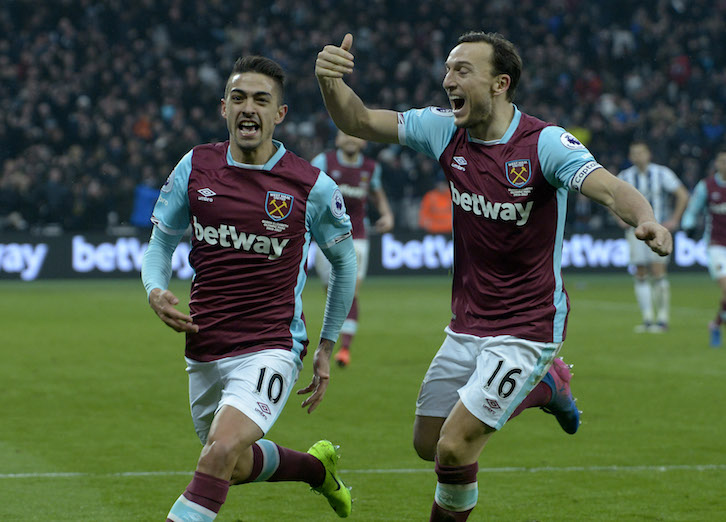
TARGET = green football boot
(332,487)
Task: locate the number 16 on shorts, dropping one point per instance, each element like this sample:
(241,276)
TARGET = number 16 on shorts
(502,380)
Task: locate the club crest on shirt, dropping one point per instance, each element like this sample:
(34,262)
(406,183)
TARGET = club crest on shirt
(278,205)
(518,172)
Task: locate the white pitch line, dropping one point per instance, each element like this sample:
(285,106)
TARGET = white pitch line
(548,469)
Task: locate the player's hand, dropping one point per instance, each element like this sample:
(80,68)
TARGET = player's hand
(334,61)
(656,236)
(384,223)
(163,302)
(321,375)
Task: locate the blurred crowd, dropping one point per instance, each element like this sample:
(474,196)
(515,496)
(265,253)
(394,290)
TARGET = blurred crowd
(99,100)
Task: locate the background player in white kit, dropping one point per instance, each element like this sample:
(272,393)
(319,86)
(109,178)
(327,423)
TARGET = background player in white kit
(709,197)
(254,207)
(659,185)
(509,174)
(359,179)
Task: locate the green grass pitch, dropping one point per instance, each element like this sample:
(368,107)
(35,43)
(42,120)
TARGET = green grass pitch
(95,423)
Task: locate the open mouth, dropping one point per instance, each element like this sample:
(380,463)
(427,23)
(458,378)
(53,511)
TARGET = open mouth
(248,128)
(457,103)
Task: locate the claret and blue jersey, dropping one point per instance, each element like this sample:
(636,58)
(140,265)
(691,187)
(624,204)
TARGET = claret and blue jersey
(251,230)
(509,199)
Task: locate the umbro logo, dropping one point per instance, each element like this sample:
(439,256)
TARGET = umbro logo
(264,407)
(206,194)
(493,404)
(459,162)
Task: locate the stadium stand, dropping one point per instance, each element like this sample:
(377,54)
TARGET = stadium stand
(96,98)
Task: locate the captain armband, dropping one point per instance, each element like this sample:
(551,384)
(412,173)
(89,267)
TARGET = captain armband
(584,171)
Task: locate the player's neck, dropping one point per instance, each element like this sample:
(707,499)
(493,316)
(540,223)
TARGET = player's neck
(349,158)
(497,125)
(256,156)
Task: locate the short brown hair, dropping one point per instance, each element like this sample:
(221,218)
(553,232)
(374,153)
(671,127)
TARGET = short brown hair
(505,58)
(262,65)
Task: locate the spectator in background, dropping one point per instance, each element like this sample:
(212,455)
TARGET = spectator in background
(659,185)
(145,195)
(435,213)
(79,73)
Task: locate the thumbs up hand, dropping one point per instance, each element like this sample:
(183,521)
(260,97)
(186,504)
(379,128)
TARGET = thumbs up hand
(335,61)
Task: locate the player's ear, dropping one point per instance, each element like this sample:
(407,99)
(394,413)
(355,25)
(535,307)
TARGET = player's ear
(223,109)
(281,113)
(501,84)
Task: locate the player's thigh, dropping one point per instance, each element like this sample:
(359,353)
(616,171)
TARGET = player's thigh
(449,370)
(507,369)
(362,253)
(463,436)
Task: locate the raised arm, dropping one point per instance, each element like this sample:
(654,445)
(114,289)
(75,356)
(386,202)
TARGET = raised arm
(628,204)
(344,106)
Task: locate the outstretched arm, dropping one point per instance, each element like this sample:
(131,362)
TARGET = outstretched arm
(628,204)
(340,296)
(344,106)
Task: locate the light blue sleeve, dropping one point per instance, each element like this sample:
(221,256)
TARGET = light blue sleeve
(565,162)
(696,206)
(341,287)
(156,263)
(376,183)
(320,161)
(326,217)
(330,227)
(171,212)
(427,130)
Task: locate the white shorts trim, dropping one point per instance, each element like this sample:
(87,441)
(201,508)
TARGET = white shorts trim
(362,251)
(491,375)
(257,384)
(640,253)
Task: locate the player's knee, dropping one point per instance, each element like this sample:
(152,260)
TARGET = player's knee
(218,456)
(449,451)
(425,447)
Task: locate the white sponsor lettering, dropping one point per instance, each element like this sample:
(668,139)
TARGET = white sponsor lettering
(125,255)
(23,259)
(476,203)
(688,252)
(227,236)
(717,208)
(581,250)
(353,192)
(431,252)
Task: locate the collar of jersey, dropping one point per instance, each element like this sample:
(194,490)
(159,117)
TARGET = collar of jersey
(342,161)
(507,135)
(267,166)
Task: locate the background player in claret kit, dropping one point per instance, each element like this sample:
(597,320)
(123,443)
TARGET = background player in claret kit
(253,207)
(359,179)
(709,197)
(659,185)
(509,174)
